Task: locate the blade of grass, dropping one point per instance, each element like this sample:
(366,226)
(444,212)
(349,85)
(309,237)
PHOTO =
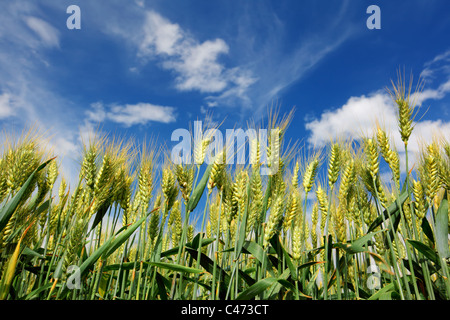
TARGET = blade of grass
(9,208)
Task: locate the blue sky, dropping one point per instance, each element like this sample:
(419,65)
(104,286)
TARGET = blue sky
(145,68)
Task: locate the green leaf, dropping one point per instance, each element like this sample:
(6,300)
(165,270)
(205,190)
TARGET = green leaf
(309,264)
(31,253)
(196,241)
(10,270)
(9,273)
(101,212)
(108,247)
(275,289)
(244,275)
(392,211)
(208,265)
(58,270)
(266,199)
(175,267)
(442,229)
(9,208)
(426,228)
(198,191)
(43,207)
(357,245)
(172,251)
(256,289)
(243,225)
(330,250)
(36,293)
(102,287)
(382,292)
(123,236)
(125,266)
(255,250)
(287,257)
(290,264)
(290,286)
(161,283)
(425,250)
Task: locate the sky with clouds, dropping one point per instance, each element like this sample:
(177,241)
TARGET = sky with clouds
(145,68)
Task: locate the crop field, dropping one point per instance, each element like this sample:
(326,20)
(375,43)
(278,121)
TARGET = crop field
(326,225)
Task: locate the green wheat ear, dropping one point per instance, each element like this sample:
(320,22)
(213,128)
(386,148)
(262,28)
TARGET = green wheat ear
(334,164)
(277,253)
(310,174)
(405,102)
(389,155)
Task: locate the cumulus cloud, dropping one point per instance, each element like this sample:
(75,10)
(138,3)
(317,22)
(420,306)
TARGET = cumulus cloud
(357,117)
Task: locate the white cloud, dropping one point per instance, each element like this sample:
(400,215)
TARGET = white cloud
(357,117)
(440,63)
(196,64)
(6,106)
(140,3)
(160,36)
(97,113)
(64,146)
(49,35)
(141,113)
(130,114)
(434,94)
(198,68)
(437,68)
(278,59)
(258,64)
(426,130)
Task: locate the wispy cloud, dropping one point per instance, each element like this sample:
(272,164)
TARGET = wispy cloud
(247,66)
(261,42)
(130,114)
(432,94)
(48,34)
(25,41)
(196,65)
(436,68)
(27,96)
(440,63)
(7,108)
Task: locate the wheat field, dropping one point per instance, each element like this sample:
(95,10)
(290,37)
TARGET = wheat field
(325,226)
